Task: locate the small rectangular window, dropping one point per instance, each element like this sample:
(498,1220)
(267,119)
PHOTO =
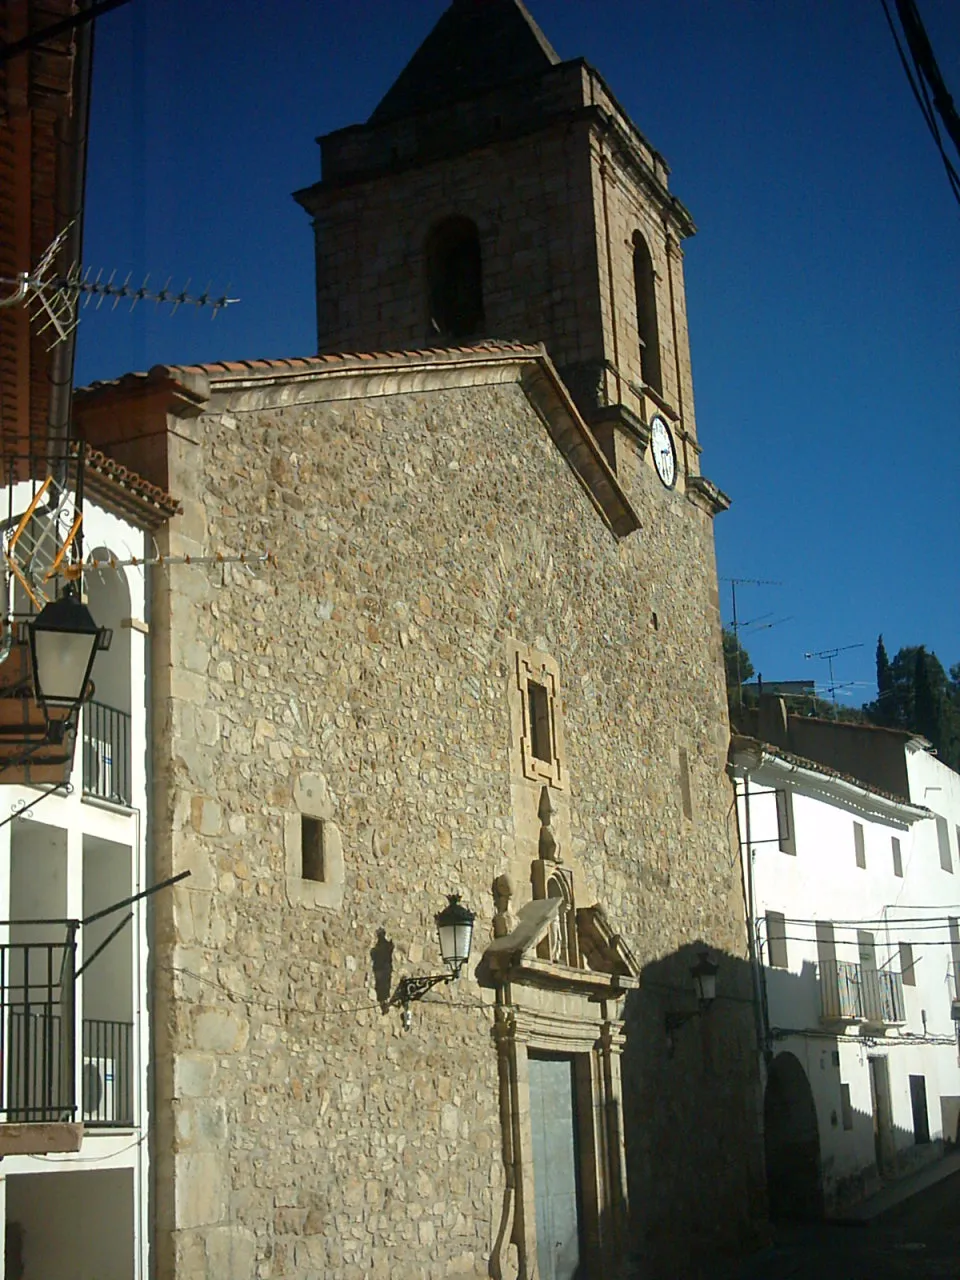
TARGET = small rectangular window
(859,845)
(776,940)
(897,857)
(686,795)
(918,1101)
(907,971)
(785,832)
(943,840)
(846,1110)
(538,708)
(311,848)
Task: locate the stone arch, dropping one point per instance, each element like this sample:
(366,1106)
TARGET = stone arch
(454,264)
(791,1142)
(562,937)
(648,329)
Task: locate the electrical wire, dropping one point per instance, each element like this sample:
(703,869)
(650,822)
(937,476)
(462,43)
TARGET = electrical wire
(921,925)
(918,87)
(112,1155)
(279,1006)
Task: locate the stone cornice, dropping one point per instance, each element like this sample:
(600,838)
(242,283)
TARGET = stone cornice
(704,493)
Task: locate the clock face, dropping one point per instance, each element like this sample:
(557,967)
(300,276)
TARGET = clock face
(664,454)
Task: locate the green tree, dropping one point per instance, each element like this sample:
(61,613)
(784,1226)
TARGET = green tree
(738,669)
(884,681)
(928,698)
(918,696)
(736,660)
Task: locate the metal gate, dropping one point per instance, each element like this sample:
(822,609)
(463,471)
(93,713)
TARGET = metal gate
(553,1120)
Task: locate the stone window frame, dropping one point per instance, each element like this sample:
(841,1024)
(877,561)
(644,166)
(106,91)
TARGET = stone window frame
(312,799)
(529,665)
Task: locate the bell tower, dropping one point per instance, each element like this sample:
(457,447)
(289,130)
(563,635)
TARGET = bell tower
(498,192)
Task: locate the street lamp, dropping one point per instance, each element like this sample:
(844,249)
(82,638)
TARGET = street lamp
(704,975)
(455,932)
(63,644)
(455,929)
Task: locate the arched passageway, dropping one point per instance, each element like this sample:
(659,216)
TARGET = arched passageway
(791,1142)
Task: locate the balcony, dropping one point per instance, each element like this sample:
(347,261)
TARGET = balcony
(39,1106)
(106,1074)
(851,993)
(106,753)
(38,1077)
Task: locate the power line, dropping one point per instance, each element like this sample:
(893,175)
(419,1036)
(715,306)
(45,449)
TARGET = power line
(925,70)
(37,38)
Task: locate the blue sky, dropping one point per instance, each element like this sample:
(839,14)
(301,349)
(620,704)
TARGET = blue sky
(822,285)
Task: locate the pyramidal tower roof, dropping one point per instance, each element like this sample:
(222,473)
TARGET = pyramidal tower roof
(475,46)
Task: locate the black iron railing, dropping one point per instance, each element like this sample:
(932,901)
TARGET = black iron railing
(106,1074)
(37,1036)
(106,753)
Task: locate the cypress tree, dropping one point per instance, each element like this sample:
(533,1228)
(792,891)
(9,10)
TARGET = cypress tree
(927,702)
(885,709)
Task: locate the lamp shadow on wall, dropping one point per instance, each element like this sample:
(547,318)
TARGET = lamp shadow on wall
(381,961)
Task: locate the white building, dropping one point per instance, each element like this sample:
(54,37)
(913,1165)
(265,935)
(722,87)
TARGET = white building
(853,897)
(74,1027)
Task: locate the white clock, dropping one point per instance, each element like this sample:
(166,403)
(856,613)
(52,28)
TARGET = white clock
(664,454)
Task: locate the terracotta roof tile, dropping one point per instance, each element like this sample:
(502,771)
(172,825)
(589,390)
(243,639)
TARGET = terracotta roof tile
(125,490)
(229,368)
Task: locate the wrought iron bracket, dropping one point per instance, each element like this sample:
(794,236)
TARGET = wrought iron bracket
(409,990)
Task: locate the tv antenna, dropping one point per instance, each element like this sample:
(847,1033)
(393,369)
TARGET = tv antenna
(54,299)
(828,655)
(736,625)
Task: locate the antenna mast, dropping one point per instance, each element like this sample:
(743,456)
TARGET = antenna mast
(828,655)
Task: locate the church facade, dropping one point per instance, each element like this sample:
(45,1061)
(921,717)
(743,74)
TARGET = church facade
(481,659)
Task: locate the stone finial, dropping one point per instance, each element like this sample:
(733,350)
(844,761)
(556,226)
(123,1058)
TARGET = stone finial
(549,846)
(503,920)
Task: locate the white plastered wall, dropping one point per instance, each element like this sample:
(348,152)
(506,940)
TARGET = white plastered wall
(822,881)
(107,1180)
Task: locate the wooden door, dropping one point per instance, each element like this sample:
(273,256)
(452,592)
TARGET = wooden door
(553,1121)
(882,1112)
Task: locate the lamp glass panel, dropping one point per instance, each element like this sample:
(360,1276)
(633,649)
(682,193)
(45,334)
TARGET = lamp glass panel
(455,942)
(706,986)
(63,661)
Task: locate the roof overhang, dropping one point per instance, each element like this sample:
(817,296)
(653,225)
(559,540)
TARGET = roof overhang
(749,755)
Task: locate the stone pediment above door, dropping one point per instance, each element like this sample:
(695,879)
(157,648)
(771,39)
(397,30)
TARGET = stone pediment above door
(551,942)
(532,952)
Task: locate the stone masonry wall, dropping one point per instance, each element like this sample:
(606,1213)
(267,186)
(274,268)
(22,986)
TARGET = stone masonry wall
(556,201)
(531,200)
(621,209)
(300,1132)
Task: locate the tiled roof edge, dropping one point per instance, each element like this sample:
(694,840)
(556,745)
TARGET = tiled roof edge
(742,742)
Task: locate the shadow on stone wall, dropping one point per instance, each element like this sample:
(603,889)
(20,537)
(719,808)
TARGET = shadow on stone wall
(711,1146)
(381,963)
(692,1119)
